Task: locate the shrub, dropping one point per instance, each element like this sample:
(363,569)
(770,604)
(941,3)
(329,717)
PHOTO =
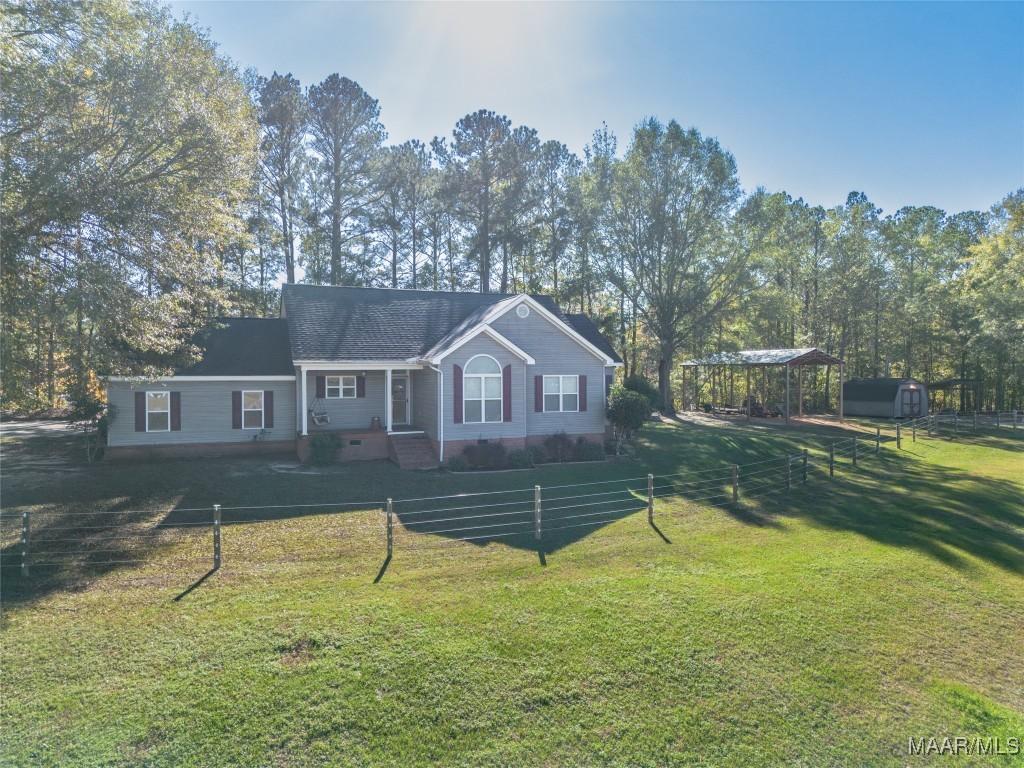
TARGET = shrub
(559,447)
(457,464)
(520,459)
(588,451)
(638,383)
(323,448)
(485,455)
(537,454)
(627,411)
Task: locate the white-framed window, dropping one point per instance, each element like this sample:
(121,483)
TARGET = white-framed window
(481,391)
(158,411)
(252,409)
(341,387)
(561,393)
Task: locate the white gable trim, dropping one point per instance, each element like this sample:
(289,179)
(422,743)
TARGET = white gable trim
(472,334)
(502,307)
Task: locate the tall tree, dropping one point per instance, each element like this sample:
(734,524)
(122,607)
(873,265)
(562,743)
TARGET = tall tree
(128,148)
(476,166)
(346,135)
(283,121)
(672,196)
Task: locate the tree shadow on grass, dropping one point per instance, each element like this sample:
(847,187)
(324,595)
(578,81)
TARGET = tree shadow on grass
(944,513)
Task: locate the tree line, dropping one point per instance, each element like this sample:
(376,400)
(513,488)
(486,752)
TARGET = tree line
(149,186)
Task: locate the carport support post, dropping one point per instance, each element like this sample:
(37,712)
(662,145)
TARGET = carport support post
(24,542)
(878,438)
(831,460)
(735,483)
(805,468)
(748,393)
(216,537)
(536,512)
(389,510)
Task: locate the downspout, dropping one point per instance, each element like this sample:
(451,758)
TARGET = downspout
(440,410)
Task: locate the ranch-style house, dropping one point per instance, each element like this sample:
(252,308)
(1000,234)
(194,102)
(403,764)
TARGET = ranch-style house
(408,374)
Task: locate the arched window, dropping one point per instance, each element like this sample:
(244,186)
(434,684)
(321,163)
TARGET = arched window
(481,390)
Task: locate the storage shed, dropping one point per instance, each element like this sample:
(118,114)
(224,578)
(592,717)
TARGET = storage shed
(887,398)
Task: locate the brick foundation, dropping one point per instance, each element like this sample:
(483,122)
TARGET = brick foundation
(455,447)
(199,450)
(373,445)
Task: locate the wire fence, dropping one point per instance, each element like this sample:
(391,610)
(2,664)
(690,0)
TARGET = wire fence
(194,536)
(533,515)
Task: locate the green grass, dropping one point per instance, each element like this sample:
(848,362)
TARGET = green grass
(824,627)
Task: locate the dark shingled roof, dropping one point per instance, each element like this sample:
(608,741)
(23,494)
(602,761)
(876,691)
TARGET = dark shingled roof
(881,390)
(346,323)
(243,346)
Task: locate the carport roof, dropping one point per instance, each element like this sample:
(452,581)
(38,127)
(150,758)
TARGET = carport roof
(743,357)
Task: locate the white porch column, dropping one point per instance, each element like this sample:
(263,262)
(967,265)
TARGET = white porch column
(387,399)
(304,404)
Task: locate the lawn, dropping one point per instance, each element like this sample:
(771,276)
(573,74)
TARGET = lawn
(825,626)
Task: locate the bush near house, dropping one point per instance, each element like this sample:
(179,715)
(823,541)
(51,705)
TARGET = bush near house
(638,383)
(559,447)
(627,411)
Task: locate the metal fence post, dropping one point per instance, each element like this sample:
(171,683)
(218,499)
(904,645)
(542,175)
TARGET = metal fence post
(831,460)
(930,421)
(878,438)
(789,472)
(650,498)
(956,423)
(24,542)
(389,511)
(216,537)
(805,467)
(855,451)
(536,512)
(913,431)
(974,424)
(735,483)
(997,419)
(899,438)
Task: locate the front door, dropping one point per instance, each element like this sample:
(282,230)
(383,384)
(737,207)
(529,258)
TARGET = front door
(399,399)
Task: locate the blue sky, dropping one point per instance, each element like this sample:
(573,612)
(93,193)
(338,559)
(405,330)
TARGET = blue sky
(913,103)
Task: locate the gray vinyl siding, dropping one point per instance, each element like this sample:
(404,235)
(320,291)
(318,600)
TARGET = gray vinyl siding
(424,401)
(515,428)
(205,412)
(556,354)
(349,412)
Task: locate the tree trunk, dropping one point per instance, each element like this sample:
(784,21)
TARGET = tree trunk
(665,380)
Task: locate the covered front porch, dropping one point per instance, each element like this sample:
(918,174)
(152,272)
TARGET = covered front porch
(367,405)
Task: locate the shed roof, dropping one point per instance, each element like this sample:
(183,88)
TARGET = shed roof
(797,356)
(871,390)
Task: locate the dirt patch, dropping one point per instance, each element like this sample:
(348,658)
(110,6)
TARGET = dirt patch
(299,652)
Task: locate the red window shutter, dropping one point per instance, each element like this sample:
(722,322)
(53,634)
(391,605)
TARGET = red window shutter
(583,392)
(236,409)
(140,411)
(457,393)
(175,411)
(321,387)
(506,393)
(268,408)
(360,386)
(538,394)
